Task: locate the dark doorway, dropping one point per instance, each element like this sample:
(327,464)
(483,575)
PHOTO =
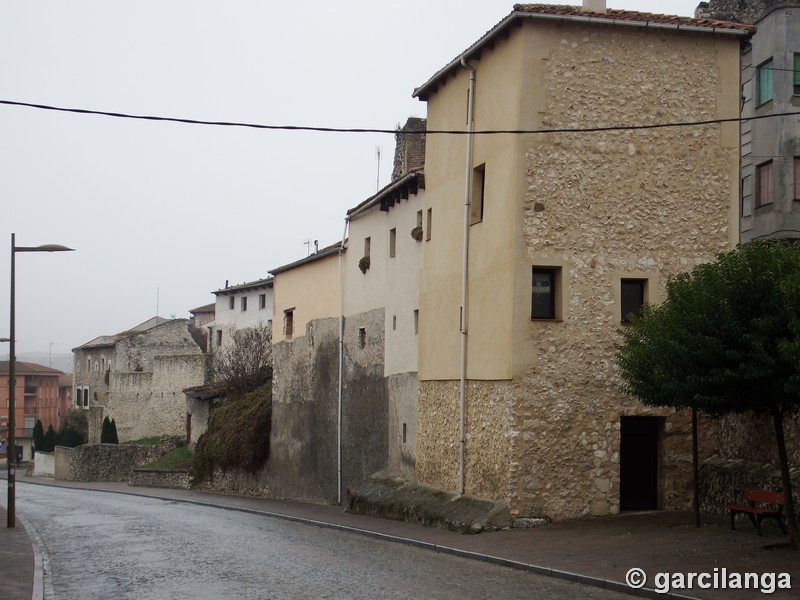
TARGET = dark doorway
(638,463)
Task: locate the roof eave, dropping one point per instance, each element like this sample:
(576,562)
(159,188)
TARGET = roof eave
(429,86)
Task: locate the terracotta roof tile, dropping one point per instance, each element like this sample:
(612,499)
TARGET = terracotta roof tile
(629,15)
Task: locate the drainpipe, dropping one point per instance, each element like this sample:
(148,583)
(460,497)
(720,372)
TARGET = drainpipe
(341,365)
(464,282)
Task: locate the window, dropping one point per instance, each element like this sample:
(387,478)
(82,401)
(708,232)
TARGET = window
(419,219)
(796,80)
(416,322)
(544,292)
(28,424)
(262,301)
(244,303)
(362,337)
(764,184)
(764,81)
(394,322)
(430,222)
(78,396)
(631,297)
(231,303)
(796,179)
(288,323)
(392,242)
(367,244)
(219,337)
(476,201)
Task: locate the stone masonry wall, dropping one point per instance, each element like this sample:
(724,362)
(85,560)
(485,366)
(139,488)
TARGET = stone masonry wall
(739,11)
(108,462)
(409,151)
(303,446)
(604,206)
(626,203)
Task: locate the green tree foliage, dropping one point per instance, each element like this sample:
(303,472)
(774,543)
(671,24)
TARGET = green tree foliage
(108,432)
(75,430)
(237,436)
(104,431)
(49,440)
(38,436)
(726,339)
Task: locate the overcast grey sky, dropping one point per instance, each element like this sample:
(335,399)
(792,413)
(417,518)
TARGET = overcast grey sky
(162,214)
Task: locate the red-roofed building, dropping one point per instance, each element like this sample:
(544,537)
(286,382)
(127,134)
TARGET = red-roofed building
(38,397)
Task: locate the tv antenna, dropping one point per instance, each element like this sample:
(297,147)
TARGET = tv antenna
(378,157)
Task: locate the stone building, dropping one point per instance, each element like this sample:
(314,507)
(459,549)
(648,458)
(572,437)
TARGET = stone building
(136,377)
(533,266)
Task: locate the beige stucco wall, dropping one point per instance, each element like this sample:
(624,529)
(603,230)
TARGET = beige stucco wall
(312,289)
(543,400)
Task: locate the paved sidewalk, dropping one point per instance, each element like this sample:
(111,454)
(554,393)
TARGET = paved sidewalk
(596,551)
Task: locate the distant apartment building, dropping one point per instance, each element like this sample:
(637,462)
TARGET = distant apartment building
(38,395)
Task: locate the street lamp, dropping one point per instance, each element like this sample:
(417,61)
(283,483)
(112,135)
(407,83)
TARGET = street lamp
(12,384)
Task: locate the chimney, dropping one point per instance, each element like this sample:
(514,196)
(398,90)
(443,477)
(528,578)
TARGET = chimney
(598,6)
(409,153)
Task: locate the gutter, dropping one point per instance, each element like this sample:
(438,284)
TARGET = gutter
(462,389)
(341,366)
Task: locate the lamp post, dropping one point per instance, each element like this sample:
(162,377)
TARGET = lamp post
(12,384)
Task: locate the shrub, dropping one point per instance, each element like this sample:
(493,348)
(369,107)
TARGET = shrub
(237,436)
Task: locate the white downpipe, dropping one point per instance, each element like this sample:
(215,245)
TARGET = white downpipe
(341,365)
(464,284)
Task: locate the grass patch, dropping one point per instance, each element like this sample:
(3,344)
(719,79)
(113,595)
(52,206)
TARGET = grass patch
(180,458)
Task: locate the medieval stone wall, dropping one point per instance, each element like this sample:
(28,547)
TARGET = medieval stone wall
(739,11)
(106,462)
(409,151)
(303,445)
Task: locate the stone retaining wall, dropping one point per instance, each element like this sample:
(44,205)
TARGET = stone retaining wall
(107,462)
(179,479)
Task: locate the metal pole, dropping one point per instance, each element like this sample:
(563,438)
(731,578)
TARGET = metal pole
(11,454)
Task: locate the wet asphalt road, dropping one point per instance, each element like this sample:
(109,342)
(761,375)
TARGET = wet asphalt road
(98,545)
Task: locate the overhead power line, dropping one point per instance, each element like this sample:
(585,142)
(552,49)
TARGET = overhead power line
(119,115)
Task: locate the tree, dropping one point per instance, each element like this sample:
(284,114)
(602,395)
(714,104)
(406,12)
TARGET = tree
(38,436)
(725,340)
(245,364)
(112,430)
(75,429)
(49,439)
(104,431)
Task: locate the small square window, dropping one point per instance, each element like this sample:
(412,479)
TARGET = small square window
(545,294)
(632,296)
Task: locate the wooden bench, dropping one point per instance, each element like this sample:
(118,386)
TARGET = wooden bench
(761,504)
